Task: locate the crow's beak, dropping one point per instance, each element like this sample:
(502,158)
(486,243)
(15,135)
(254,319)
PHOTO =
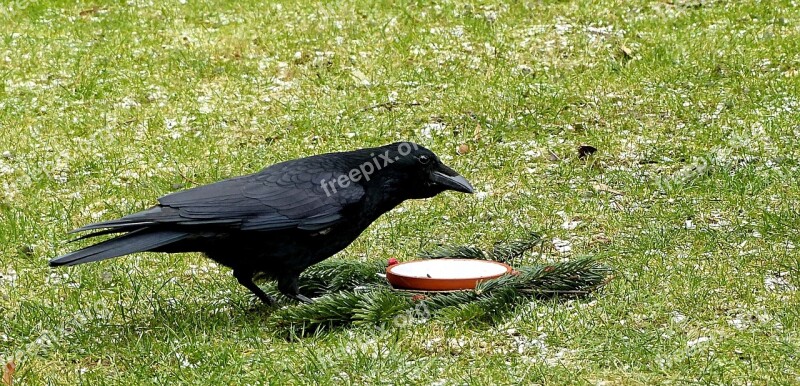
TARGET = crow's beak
(450,180)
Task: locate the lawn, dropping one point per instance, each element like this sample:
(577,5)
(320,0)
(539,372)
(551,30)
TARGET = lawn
(692,196)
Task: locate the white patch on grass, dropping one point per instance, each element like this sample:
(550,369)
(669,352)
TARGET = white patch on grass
(9,277)
(700,340)
(738,323)
(184,361)
(562,246)
(432,128)
(205,104)
(569,223)
(5,168)
(778,282)
(127,103)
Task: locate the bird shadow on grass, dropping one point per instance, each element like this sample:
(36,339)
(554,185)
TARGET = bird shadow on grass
(166,322)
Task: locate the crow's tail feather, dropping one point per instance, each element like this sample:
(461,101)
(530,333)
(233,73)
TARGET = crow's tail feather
(136,220)
(98,233)
(137,241)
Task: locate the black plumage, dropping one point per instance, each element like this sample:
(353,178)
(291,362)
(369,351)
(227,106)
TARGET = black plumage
(281,220)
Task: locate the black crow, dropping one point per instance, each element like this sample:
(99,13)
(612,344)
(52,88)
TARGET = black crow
(281,220)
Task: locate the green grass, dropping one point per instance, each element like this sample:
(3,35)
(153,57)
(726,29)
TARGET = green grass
(693,106)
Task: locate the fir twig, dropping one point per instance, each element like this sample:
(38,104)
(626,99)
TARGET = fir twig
(509,252)
(502,252)
(458,252)
(340,275)
(378,304)
(352,292)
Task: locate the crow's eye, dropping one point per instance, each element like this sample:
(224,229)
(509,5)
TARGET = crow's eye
(423,159)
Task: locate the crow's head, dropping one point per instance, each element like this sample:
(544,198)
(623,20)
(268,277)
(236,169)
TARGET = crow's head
(416,172)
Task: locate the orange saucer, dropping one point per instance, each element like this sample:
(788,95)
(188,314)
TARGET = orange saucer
(444,274)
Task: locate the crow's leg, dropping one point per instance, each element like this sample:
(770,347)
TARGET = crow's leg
(245,278)
(287,284)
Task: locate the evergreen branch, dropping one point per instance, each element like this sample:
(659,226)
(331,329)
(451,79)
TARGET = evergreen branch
(502,252)
(439,301)
(380,307)
(326,312)
(459,252)
(580,274)
(352,292)
(508,252)
(376,305)
(495,297)
(340,275)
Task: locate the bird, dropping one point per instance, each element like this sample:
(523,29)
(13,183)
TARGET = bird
(279,221)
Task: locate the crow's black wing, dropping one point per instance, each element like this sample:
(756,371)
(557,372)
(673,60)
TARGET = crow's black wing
(283,196)
(269,201)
